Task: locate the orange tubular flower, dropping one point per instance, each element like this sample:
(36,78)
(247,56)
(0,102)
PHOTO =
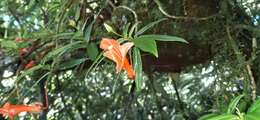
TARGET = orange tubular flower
(117,53)
(30,64)
(19,40)
(23,51)
(12,110)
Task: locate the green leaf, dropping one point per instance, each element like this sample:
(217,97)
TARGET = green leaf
(225,117)
(97,61)
(71,63)
(29,71)
(125,30)
(63,49)
(242,106)
(8,44)
(146,45)
(138,69)
(252,116)
(62,35)
(132,29)
(232,106)
(77,13)
(255,107)
(87,31)
(92,51)
(208,116)
(164,38)
(148,26)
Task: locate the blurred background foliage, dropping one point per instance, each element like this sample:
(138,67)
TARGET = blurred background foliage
(187,81)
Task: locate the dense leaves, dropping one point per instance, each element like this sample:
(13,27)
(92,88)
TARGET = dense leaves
(212,45)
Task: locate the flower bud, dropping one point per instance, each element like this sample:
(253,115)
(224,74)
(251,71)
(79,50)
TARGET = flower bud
(108,28)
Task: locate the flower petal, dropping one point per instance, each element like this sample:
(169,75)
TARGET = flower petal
(107,43)
(129,69)
(125,48)
(114,57)
(117,53)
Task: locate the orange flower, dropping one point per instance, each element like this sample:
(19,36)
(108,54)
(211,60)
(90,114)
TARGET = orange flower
(19,40)
(30,64)
(117,53)
(12,110)
(23,51)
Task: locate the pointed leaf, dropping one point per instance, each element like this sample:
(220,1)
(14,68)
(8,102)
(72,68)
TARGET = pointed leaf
(63,49)
(8,44)
(138,69)
(131,31)
(232,106)
(208,116)
(164,38)
(77,13)
(225,117)
(125,30)
(255,107)
(252,116)
(29,71)
(148,26)
(92,51)
(146,45)
(87,30)
(71,63)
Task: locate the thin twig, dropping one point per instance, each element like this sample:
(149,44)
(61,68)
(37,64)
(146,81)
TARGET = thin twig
(249,70)
(173,78)
(135,16)
(183,17)
(131,10)
(253,85)
(111,4)
(248,27)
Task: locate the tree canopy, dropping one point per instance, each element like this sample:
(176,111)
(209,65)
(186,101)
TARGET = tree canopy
(130,59)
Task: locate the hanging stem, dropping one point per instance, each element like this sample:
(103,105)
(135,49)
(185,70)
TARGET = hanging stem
(131,10)
(253,85)
(182,17)
(173,77)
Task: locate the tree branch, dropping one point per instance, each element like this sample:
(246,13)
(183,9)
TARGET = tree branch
(182,17)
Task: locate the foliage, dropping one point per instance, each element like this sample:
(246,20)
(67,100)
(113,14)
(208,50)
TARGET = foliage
(212,45)
(234,113)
